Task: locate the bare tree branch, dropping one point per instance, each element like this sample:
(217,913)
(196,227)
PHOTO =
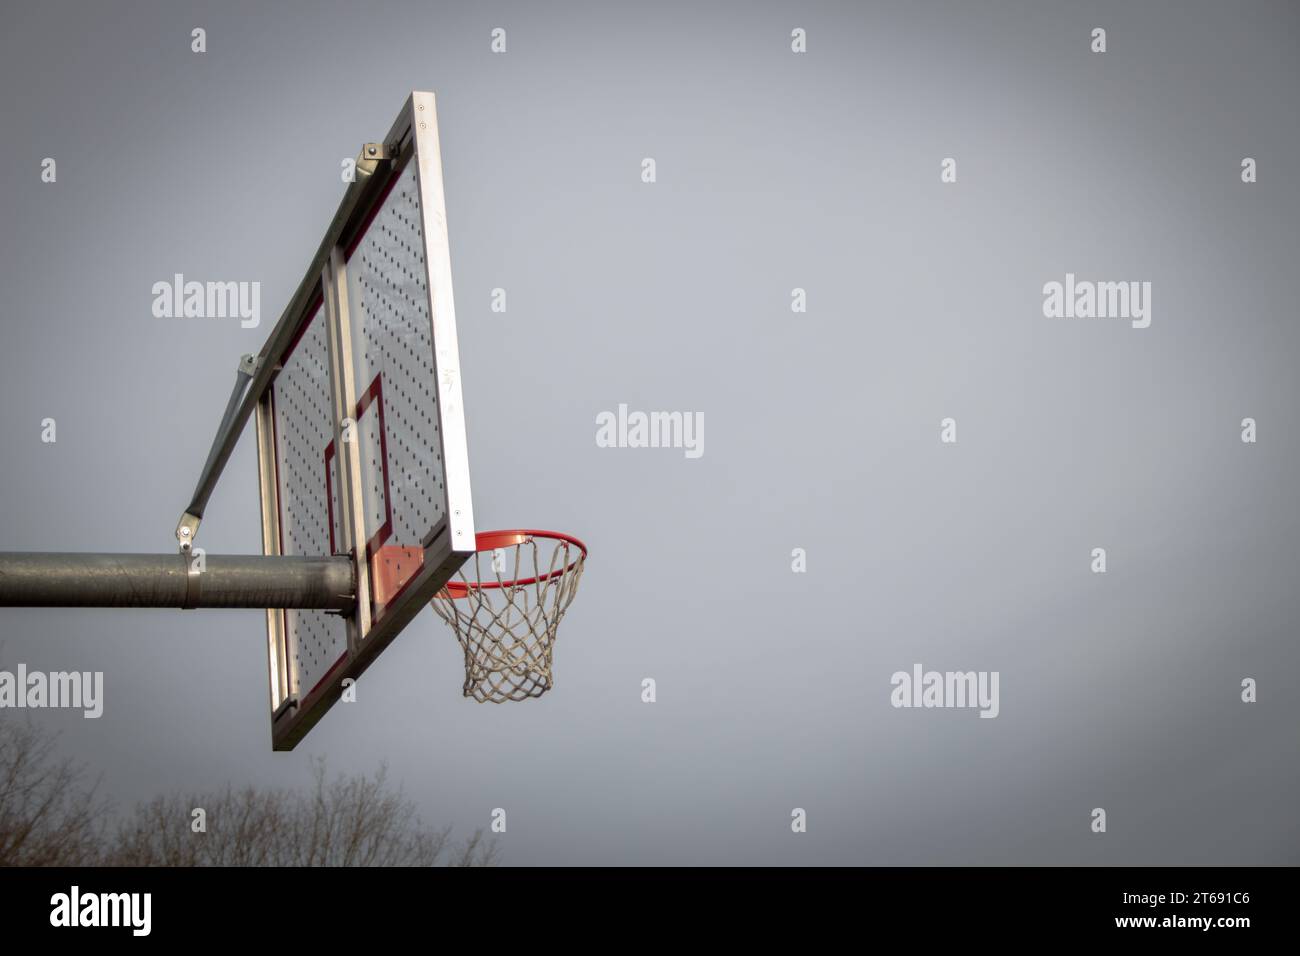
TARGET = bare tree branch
(49,815)
(348,821)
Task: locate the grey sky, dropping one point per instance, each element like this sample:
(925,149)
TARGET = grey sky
(775,171)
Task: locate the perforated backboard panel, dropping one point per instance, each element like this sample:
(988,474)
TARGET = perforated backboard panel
(388,299)
(362,432)
(367,429)
(304,430)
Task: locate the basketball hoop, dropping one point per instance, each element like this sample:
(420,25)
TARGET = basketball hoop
(505,604)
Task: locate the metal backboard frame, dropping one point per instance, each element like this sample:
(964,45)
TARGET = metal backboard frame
(377,468)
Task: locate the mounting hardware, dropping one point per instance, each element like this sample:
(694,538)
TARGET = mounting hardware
(192,574)
(187,530)
(371,155)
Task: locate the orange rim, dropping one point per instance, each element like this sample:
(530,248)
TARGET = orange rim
(492,540)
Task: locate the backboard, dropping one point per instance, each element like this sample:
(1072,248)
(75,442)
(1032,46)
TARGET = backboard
(361,432)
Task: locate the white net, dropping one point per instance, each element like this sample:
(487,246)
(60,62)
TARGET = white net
(505,605)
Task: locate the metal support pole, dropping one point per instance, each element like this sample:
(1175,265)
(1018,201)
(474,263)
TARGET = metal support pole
(343,394)
(222,445)
(32,579)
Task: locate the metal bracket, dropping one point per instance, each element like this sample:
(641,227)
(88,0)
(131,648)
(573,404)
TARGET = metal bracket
(188,528)
(371,155)
(186,531)
(192,574)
